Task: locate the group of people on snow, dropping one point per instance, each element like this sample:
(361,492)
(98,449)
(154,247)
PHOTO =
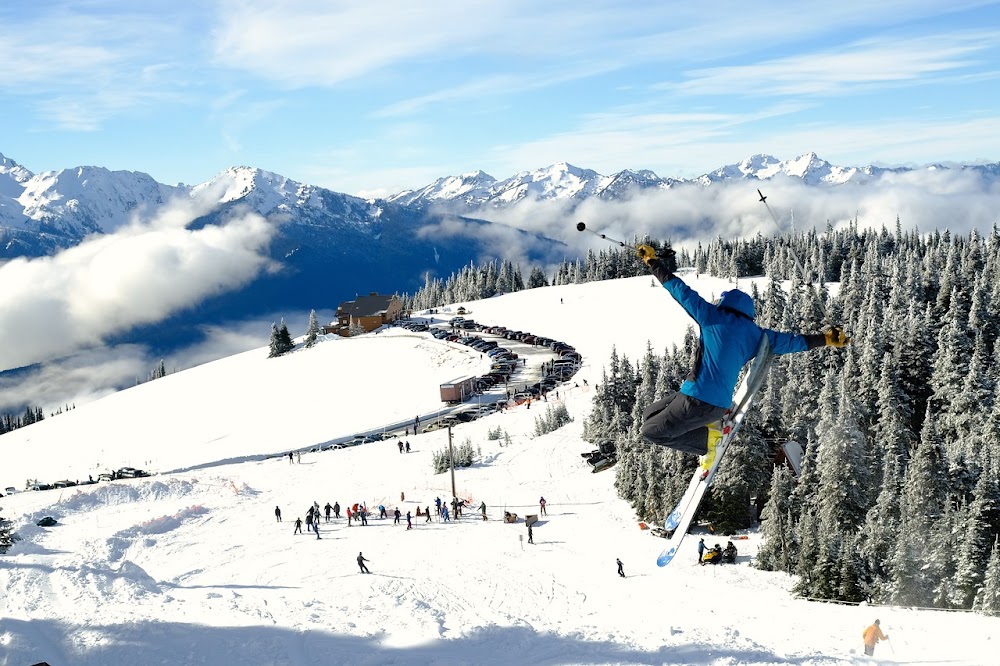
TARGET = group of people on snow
(716,553)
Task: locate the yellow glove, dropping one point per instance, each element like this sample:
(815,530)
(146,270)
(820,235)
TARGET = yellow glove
(646,253)
(835,337)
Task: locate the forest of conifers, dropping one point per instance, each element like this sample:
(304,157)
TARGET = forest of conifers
(898,500)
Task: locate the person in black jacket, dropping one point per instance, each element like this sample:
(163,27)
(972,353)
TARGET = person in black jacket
(277,513)
(361,563)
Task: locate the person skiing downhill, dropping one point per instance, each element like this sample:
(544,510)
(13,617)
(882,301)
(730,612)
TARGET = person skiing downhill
(689,420)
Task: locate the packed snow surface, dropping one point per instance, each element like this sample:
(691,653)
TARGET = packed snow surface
(190,566)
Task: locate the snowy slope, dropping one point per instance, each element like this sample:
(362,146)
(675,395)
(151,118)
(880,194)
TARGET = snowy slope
(191,567)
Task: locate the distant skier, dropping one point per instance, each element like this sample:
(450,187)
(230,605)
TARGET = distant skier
(298,526)
(361,563)
(531,535)
(428,511)
(541,506)
(621,568)
(688,420)
(277,513)
(400,446)
(327,509)
(482,509)
(872,636)
(336,510)
(407,446)
(291,459)
(396,514)
(409,522)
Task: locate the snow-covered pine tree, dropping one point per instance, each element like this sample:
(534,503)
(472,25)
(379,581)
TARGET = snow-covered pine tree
(924,499)
(6,536)
(979,533)
(275,345)
(891,445)
(853,586)
(988,597)
(537,278)
(777,551)
(650,480)
(312,332)
(285,343)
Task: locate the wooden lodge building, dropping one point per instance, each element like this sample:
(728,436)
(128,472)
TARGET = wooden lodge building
(366,313)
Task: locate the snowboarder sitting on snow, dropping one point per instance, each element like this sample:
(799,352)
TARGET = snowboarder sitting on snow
(689,420)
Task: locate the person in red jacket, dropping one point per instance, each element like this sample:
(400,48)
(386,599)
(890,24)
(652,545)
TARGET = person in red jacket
(872,636)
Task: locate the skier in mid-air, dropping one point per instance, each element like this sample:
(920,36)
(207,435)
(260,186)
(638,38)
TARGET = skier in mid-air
(689,420)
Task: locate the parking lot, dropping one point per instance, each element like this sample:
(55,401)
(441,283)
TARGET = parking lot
(521,369)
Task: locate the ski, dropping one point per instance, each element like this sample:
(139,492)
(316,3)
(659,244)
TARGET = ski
(679,520)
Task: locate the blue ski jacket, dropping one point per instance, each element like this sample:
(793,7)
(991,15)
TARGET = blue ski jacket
(728,341)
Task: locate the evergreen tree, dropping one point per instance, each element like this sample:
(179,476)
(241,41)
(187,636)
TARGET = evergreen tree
(6,536)
(275,344)
(777,551)
(988,596)
(285,343)
(312,332)
(537,278)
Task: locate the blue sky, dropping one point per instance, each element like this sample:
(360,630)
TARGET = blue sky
(376,97)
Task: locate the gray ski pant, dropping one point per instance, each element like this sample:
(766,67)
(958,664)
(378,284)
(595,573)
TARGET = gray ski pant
(680,422)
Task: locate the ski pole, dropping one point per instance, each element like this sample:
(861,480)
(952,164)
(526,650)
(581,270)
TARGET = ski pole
(774,218)
(580,226)
(798,264)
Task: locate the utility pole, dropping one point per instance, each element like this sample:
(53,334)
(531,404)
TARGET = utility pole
(451,458)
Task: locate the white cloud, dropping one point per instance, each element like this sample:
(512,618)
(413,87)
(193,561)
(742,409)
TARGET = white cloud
(851,68)
(925,200)
(56,305)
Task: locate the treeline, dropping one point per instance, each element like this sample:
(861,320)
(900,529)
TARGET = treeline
(499,277)
(899,496)
(9,422)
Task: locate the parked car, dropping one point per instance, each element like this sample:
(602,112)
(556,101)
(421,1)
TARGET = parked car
(437,425)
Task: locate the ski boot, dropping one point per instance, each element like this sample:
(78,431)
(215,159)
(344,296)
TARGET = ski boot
(714,435)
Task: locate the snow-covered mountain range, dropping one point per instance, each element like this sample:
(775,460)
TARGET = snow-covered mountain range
(479,191)
(41,212)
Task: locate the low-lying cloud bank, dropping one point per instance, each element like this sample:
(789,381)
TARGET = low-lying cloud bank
(926,200)
(55,306)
